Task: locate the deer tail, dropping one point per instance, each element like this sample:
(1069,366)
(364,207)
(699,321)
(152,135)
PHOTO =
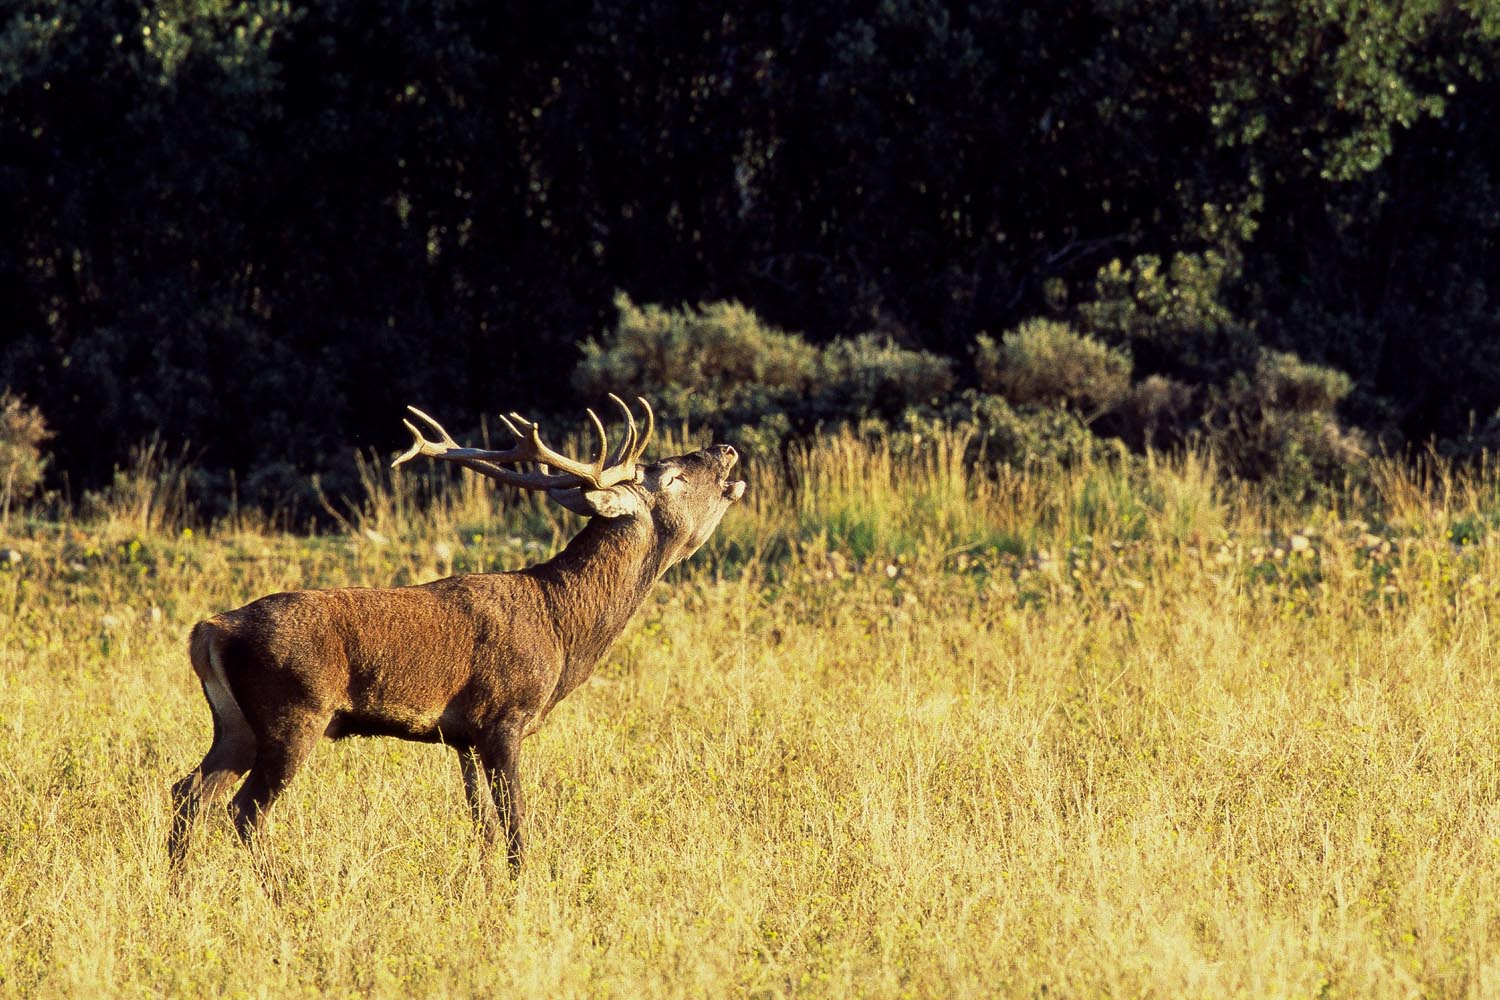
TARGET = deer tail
(206,651)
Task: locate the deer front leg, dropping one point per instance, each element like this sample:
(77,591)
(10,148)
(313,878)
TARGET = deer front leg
(499,752)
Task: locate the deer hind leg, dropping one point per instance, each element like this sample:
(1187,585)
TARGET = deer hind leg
(228,758)
(279,752)
(500,754)
(476,791)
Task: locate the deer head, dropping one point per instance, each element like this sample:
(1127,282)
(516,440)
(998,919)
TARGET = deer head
(684,497)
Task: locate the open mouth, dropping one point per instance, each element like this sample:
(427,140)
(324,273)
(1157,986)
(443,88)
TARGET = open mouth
(731,490)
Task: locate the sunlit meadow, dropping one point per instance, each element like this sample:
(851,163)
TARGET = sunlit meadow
(1122,730)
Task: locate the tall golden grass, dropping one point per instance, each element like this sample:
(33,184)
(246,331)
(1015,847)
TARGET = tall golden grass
(1122,730)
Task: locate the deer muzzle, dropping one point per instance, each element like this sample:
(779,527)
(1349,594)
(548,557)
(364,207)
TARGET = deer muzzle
(725,457)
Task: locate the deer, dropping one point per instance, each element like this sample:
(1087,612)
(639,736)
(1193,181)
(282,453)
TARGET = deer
(475,661)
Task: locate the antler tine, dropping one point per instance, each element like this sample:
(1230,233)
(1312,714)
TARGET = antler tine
(650,429)
(622,454)
(529,446)
(601,461)
(510,426)
(422,446)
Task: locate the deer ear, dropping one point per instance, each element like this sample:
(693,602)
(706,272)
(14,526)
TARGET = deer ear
(572,501)
(614,502)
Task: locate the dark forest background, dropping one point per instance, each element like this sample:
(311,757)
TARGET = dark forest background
(258,229)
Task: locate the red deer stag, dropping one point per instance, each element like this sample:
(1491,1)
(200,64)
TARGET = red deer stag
(474,661)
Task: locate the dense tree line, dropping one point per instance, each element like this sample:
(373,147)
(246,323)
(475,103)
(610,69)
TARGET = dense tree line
(263,226)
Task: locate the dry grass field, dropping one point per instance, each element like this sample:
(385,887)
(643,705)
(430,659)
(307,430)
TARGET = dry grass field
(894,733)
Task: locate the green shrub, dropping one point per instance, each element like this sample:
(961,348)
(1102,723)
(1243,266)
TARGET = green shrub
(1021,436)
(718,365)
(867,375)
(1154,412)
(697,363)
(1277,422)
(1048,363)
(1284,381)
(22,462)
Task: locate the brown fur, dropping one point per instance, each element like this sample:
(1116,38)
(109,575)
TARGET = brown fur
(474,661)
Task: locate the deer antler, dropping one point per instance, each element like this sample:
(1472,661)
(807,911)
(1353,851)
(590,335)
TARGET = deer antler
(607,469)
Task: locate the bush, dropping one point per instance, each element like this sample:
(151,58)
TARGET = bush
(867,375)
(718,365)
(1022,436)
(1278,422)
(697,363)
(1048,363)
(1285,382)
(22,463)
(1154,412)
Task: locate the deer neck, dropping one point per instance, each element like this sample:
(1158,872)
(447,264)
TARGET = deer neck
(595,585)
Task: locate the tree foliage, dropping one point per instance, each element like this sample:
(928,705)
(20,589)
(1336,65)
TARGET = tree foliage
(261,226)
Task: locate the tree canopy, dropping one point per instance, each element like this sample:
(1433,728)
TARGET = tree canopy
(263,226)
